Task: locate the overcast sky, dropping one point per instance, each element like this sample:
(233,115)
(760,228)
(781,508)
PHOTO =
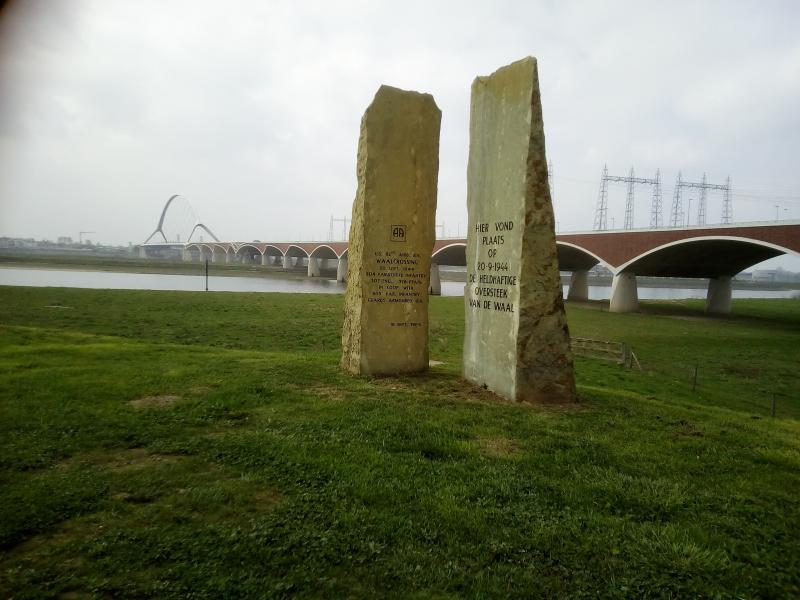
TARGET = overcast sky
(251,110)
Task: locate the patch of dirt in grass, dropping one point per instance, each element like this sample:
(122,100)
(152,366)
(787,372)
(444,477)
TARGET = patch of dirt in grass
(222,432)
(497,447)
(137,458)
(265,499)
(154,401)
(121,460)
(325,392)
(685,428)
(328,392)
(61,534)
(449,387)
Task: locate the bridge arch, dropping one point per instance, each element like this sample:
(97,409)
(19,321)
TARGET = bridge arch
(703,257)
(271,250)
(204,228)
(203,249)
(295,251)
(243,248)
(454,254)
(247,253)
(160,226)
(572,257)
(324,251)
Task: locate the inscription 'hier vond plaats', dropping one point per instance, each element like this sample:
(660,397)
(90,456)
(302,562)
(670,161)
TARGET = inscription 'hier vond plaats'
(493,258)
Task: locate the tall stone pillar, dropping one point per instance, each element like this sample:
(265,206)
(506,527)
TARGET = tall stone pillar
(341,269)
(578,286)
(186,255)
(435,285)
(516,341)
(142,252)
(264,260)
(229,257)
(391,235)
(720,292)
(313,267)
(624,295)
(287,262)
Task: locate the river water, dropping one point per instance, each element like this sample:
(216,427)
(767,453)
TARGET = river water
(316,285)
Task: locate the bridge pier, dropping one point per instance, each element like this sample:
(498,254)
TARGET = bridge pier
(435,285)
(287,262)
(624,295)
(341,270)
(264,260)
(313,267)
(215,256)
(718,299)
(228,258)
(578,286)
(186,256)
(142,252)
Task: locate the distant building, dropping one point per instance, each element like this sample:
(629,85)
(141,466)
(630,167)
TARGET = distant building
(65,240)
(600,271)
(764,275)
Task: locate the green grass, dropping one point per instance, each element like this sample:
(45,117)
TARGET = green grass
(248,465)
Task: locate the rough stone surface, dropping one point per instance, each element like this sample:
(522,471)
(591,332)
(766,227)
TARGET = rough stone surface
(516,338)
(391,236)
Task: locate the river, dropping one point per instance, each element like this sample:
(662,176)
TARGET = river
(150,281)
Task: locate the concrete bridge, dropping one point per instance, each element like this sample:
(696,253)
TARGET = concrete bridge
(715,252)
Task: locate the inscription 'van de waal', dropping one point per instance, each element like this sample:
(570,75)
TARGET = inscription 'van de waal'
(516,339)
(391,236)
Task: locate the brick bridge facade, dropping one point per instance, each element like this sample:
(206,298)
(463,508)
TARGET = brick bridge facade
(716,252)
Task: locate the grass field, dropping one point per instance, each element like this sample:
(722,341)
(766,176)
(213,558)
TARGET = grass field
(169,444)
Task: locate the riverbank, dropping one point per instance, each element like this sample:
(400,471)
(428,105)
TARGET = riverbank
(151,266)
(173,443)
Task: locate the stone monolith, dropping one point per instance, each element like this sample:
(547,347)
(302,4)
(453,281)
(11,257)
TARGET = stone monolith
(516,338)
(391,235)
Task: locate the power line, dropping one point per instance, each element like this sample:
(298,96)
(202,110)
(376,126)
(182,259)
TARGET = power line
(739,193)
(601,211)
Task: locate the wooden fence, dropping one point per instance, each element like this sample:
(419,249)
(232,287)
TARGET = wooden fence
(618,352)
